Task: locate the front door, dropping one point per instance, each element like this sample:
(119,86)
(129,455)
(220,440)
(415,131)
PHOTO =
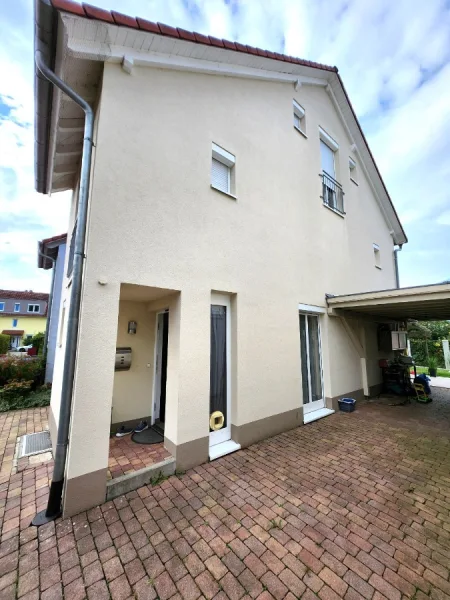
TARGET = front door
(15,341)
(311,357)
(159,392)
(220,381)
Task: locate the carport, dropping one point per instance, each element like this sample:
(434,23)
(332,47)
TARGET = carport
(394,306)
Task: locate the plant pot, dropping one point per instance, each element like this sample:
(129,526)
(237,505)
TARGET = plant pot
(432,372)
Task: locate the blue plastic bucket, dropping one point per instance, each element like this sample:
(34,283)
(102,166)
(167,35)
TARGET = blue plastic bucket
(347,404)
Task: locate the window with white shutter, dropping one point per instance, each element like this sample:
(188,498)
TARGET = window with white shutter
(222,166)
(299,117)
(220,176)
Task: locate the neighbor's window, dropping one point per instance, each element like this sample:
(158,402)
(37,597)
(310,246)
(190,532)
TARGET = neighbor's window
(17,307)
(222,170)
(299,117)
(15,321)
(353,171)
(33,308)
(2,306)
(377,256)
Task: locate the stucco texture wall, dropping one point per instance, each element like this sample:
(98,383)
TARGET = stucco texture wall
(132,392)
(273,247)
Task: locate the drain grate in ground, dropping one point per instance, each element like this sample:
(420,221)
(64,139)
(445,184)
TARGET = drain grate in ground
(35,443)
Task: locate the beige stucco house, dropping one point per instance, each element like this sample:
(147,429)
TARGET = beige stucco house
(232,191)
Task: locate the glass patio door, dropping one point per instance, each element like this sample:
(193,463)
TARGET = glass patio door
(311,359)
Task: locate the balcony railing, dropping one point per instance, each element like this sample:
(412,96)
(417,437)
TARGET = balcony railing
(332,193)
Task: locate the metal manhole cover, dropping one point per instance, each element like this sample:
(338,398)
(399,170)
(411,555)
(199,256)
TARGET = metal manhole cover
(35,443)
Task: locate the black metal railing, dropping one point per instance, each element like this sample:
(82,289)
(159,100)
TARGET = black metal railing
(332,193)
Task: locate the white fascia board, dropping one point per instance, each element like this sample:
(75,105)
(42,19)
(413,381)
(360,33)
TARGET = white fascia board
(223,155)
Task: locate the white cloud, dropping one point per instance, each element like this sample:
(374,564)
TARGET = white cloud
(394,58)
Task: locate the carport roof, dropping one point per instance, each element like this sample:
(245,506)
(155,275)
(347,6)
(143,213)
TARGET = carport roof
(423,303)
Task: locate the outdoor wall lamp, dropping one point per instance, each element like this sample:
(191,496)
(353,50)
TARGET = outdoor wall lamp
(132,327)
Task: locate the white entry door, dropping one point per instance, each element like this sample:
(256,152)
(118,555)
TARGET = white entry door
(220,379)
(311,357)
(15,341)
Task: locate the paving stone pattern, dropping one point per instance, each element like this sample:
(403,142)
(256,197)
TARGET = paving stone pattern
(352,506)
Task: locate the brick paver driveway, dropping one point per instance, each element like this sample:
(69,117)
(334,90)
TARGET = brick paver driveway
(353,506)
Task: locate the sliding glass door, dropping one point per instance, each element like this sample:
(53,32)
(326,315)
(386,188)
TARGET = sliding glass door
(311,358)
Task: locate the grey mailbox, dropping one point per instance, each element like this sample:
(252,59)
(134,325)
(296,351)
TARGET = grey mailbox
(123,359)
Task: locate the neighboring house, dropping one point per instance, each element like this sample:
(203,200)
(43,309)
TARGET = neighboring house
(232,192)
(51,255)
(22,315)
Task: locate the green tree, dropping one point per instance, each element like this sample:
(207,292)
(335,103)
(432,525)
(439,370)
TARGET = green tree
(4,343)
(38,341)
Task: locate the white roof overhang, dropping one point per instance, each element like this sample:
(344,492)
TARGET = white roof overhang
(421,303)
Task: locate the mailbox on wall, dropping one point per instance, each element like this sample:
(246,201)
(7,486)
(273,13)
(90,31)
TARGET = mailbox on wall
(123,359)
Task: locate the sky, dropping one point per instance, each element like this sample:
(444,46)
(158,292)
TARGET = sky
(394,58)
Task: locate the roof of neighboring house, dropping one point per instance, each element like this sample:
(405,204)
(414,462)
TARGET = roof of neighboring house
(23,295)
(49,248)
(258,60)
(13,332)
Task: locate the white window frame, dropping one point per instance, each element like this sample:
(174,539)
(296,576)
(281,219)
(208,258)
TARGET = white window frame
(2,307)
(34,306)
(328,140)
(377,256)
(299,112)
(17,307)
(353,170)
(227,159)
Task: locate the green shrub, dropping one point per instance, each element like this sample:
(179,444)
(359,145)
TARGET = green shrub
(19,369)
(4,343)
(15,389)
(35,399)
(38,342)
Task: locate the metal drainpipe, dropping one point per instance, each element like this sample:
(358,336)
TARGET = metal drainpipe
(397,274)
(49,305)
(53,509)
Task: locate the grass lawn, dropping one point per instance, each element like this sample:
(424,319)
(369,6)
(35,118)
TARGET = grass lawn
(440,372)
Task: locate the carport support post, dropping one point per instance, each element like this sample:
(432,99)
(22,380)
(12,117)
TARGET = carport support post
(359,342)
(446,350)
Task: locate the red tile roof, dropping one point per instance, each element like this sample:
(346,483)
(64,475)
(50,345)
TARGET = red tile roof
(55,238)
(116,18)
(50,253)
(25,295)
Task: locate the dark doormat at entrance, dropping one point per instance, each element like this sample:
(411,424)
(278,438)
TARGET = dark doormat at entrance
(148,436)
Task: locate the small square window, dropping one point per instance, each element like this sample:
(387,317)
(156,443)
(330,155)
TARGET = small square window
(299,117)
(353,170)
(222,170)
(33,308)
(17,307)
(377,256)
(2,306)
(15,321)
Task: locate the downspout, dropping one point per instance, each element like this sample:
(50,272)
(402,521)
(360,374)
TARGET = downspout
(53,509)
(49,305)
(397,274)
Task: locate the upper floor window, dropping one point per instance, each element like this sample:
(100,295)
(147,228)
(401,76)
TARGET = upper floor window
(2,306)
(33,308)
(353,170)
(17,307)
(333,196)
(15,321)
(222,170)
(299,117)
(377,256)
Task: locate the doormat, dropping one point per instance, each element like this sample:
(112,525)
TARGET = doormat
(148,436)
